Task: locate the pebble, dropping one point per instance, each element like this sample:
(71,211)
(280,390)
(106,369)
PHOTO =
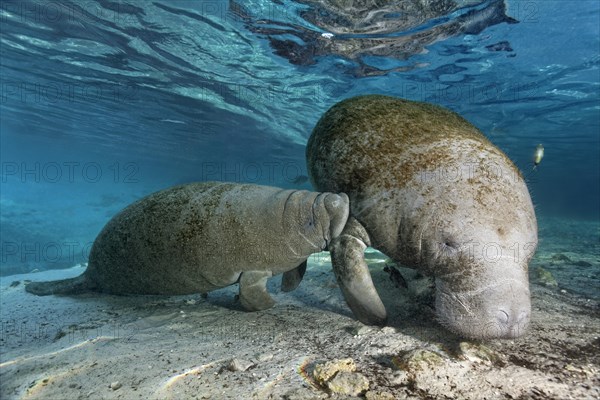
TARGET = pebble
(264,357)
(545,277)
(388,330)
(348,383)
(419,360)
(115,385)
(326,371)
(580,263)
(478,352)
(377,395)
(360,330)
(560,257)
(302,393)
(239,365)
(399,378)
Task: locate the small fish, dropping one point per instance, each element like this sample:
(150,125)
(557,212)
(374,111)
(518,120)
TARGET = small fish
(538,154)
(300,180)
(395,276)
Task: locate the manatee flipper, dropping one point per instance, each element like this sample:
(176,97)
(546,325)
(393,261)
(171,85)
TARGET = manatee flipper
(75,285)
(253,290)
(291,279)
(353,276)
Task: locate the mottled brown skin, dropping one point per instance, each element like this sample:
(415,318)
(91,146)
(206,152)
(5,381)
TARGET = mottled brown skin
(427,189)
(200,237)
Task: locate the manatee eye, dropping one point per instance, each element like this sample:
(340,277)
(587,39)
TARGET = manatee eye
(449,245)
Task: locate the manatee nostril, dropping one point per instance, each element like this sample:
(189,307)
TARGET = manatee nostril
(502,317)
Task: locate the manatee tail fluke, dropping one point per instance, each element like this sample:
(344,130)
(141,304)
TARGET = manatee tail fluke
(75,285)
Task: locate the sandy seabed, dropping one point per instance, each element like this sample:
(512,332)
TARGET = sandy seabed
(148,347)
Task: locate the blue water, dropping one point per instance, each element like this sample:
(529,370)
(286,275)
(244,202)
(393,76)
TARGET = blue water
(104,101)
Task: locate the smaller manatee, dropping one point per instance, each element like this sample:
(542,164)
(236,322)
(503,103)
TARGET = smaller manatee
(199,237)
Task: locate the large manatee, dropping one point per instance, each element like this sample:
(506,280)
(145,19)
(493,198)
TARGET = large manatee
(427,189)
(200,237)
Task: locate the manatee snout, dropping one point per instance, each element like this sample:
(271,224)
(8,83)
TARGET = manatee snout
(497,311)
(337,209)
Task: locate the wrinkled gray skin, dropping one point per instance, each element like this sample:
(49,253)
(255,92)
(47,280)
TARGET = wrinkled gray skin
(430,191)
(200,237)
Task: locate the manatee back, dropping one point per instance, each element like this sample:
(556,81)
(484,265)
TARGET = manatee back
(387,153)
(367,141)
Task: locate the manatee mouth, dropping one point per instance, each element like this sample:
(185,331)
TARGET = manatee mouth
(490,329)
(483,315)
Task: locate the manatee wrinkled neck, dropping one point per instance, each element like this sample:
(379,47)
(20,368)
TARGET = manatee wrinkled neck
(319,218)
